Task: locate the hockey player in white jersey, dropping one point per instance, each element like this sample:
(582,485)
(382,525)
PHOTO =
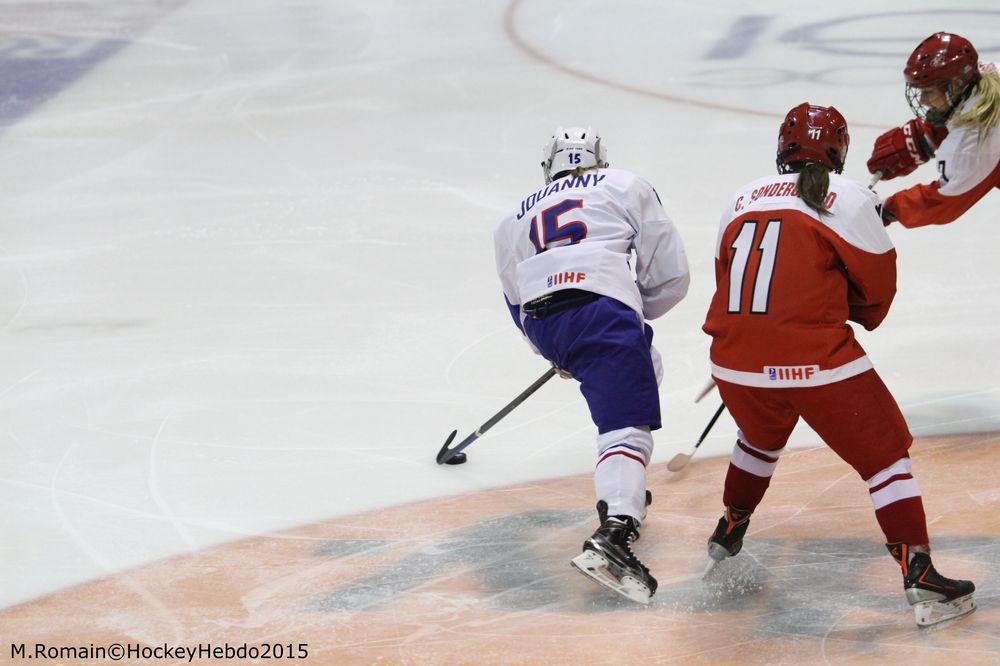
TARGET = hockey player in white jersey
(956,100)
(563,256)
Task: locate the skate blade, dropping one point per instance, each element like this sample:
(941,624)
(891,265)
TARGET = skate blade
(594,566)
(929,613)
(710,566)
(717,552)
(716,555)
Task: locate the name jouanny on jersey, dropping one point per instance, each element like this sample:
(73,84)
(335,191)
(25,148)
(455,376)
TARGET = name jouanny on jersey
(587,180)
(579,232)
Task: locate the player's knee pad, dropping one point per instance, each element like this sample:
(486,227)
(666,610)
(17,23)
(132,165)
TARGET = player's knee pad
(752,460)
(634,442)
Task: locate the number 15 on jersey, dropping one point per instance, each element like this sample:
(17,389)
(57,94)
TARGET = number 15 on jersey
(551,233)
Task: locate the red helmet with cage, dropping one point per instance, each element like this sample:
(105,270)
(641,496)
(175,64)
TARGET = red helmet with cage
(940,74)
(940,58)
(812,134)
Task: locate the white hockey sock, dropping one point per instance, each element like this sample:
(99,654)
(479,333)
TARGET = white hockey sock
(620,476)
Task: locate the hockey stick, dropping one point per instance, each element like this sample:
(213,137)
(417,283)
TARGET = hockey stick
(446,455)
(877,177)
(680,461)
(705,391)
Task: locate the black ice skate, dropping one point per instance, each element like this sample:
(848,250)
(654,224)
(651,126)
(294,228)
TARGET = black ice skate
(934,598)
(602,512)
(607,557)
(727,540)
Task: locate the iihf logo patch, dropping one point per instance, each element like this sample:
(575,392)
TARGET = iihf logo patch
(791,372)
(562,278)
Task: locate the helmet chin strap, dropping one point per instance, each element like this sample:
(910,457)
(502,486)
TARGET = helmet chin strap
(963,95)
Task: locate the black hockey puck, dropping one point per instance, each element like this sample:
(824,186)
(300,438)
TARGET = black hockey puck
(458,459)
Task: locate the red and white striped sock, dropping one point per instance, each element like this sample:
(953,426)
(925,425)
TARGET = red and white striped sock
(749,475)
(899,508)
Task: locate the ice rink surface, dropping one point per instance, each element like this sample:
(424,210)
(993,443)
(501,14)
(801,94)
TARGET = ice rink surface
(246,270)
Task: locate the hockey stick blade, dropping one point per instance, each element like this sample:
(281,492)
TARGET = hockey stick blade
(679,462)
(448,456)
(454,456)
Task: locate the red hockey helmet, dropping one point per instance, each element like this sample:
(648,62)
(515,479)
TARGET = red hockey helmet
(940,74)
(940,58)
(812,134)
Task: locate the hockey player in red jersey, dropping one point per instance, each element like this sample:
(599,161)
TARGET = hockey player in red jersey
(956,100)
(799,255)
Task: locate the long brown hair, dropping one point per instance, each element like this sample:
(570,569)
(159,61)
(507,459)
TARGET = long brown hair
(813,184)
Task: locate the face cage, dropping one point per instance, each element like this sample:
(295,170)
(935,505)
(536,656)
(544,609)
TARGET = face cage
(955,92)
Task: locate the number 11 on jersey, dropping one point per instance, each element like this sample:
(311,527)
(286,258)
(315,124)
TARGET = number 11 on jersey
(768,248)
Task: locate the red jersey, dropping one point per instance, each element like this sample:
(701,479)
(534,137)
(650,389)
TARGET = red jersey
(788,280)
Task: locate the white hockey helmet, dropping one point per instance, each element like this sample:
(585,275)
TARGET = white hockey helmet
(570,148)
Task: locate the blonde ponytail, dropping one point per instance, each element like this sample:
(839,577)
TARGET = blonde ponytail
(985,112)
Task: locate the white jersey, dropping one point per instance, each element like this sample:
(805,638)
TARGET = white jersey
(965,158)
(579,233)
(968,162)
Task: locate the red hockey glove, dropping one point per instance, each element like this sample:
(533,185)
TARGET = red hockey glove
(902,149)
